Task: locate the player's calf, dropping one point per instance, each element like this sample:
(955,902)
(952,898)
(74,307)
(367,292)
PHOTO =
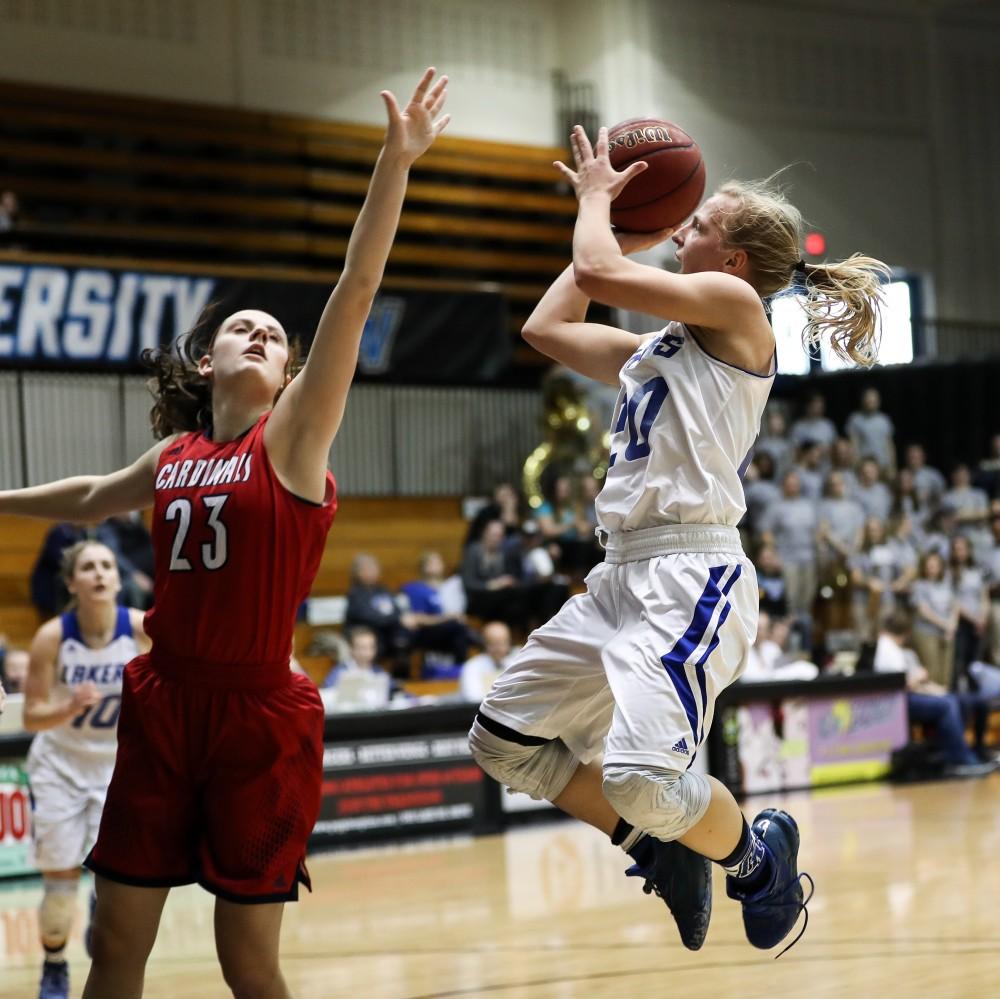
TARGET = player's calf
(55,920)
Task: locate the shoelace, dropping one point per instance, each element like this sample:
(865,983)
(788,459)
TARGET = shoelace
(802,908)
(649,885)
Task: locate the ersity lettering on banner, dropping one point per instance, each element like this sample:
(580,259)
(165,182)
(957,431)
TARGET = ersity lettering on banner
(73,315)
(53,316)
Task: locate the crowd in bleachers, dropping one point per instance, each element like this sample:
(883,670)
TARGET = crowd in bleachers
(861,547)
(836,522)
(516,570)
(866,554)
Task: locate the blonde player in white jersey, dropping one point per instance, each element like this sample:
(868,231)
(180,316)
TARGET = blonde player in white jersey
(634,665)
(72,698)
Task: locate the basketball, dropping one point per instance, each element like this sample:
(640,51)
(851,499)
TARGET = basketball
(670,188)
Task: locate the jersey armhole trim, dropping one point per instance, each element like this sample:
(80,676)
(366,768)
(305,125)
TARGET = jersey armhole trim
(327,498)
(330,490)
(729,364)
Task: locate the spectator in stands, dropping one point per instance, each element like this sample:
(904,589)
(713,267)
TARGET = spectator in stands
(872,432)
(9,210)
(135,558)
(491,574)
(930,483)
(48,591)
(480,671)
(13,666)
(814,425)
(810,469)
(775,442)
(872,493)
(991,564)
(844,460)
(969,506)
(791,528)
(972,596)
(908,502)
(904,541)
(495,586)
(506,506)
(537,563)
(772,657)
(880,573)
(760,489)
(369,686)
(771,582)
(371,604)
(434,628)
(563,523)
(936,618)
(765,653)
(929,703)
(841,523)
(590,488)
(938,534)
(988,470)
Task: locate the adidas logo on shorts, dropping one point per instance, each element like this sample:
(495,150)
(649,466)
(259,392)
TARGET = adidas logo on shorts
(680,746)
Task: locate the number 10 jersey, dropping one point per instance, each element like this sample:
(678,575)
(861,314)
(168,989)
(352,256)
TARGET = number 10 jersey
(90,737)
(685,425)
(236,552)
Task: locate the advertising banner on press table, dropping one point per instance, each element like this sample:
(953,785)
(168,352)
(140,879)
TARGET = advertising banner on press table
(399,786)
(102,318)
(799,742)
(16,855)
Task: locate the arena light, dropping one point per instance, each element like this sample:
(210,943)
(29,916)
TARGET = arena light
(788,320)
(815,244)
(896,346)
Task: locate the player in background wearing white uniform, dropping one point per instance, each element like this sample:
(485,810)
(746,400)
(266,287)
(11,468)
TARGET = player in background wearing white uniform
(72,698)
(668,619)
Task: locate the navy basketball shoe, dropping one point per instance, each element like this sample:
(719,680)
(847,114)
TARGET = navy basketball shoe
(770,913)
(683,879)
(55,980)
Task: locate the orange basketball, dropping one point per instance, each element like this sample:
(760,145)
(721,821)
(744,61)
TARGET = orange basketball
(670,188)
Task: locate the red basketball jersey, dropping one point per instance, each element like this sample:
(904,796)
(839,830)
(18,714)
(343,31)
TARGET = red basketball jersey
(236,552)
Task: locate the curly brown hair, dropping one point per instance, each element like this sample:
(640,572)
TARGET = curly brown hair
(182,398)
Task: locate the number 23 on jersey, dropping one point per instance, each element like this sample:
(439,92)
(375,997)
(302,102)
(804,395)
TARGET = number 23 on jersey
(213,554)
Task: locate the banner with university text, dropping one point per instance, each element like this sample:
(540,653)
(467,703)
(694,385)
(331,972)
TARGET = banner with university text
(102,318)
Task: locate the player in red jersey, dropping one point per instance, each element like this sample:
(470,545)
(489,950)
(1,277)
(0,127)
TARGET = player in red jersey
(219,765)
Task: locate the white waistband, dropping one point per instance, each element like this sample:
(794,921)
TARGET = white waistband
(670,539)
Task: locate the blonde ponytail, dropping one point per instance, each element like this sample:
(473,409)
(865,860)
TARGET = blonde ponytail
(843,303)
(842,300)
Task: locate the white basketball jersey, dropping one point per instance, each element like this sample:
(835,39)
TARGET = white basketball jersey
(684,428)
(93,733)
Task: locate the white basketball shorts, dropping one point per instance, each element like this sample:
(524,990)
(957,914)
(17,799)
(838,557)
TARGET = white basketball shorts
(634,665)
(67,798)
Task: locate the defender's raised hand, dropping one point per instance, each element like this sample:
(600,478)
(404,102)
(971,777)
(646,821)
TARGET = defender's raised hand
(411,131)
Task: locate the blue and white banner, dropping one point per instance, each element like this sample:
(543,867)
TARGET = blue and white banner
(68,318)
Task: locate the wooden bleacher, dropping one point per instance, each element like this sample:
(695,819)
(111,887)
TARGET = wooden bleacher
(273,194)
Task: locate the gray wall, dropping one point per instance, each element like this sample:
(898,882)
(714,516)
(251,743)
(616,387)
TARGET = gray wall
(393,441)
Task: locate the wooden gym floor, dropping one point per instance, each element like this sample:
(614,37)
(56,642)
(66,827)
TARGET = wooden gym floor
(907,904)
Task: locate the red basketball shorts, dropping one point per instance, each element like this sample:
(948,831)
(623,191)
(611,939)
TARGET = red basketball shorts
(217,780)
